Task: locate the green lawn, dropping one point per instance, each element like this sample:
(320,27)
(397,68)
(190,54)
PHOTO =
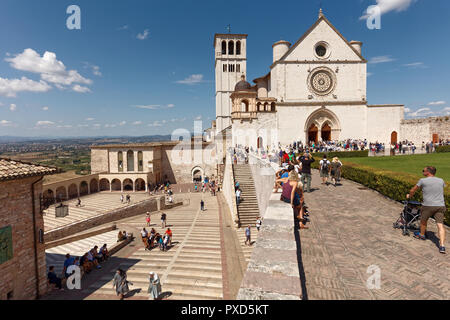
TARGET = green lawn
(413,164)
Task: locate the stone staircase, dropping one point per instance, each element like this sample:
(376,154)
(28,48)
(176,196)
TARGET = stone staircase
(248,210)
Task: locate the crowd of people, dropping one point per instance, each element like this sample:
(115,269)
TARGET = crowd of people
(87,262)
(153,239)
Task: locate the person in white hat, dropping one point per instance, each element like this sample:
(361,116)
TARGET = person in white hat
(154,287)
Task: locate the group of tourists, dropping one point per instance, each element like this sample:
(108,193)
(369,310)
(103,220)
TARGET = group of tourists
(86,263)
(126,200)
(152,239)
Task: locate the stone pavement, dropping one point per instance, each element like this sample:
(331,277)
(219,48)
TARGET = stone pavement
(350,230)
(91,205)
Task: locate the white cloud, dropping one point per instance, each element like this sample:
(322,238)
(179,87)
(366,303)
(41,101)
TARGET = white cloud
(155,124)
(97,125)
(391,5)
(10,87)
(44,123)
(143,35)
(49,68)
(192,79)
(155,106)
(422,112)
(381,59)
(45,108)
(12,107)
(90,119)
(198,117)
(122,123)
(125,27)
(5,123)
(436,103)
(80,89)
(83,125)
(415,65)
(407,110)
(66,126)
(136,123)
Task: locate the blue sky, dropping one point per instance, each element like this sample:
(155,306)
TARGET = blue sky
(147,67)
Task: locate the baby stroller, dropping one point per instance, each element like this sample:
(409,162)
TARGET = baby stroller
(409,218)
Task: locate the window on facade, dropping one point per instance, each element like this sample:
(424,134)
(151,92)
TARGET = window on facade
(321,50)
(130,160)
(140,161)
(244,106)
(238,68)
(272,106)
(224,47)
(224,68)
(231,47)
(238,47)
(120,161)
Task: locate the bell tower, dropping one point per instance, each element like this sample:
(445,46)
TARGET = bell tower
(230,52)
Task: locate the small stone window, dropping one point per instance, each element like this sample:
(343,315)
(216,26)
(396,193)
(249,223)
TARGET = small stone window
(321,51)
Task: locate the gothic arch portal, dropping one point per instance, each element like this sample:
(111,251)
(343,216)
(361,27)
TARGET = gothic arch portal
(322,119)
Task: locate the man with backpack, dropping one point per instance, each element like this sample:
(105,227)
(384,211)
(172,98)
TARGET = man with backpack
(325,166)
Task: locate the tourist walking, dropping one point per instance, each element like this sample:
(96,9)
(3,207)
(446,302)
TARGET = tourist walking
(202,205)
(120,283)
(336,166)
(78,203)
(154,287)
(163,220)
(238,196)
(324,166)
(258,223)
(128,198)
(148,219)
(433,204)
(121,198)
(248,236)
(306,161)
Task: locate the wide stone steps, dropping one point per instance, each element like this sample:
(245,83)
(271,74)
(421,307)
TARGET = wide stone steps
(248,210)
(190,269)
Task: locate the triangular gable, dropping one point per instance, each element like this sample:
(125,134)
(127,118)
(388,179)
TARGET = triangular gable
(321,19)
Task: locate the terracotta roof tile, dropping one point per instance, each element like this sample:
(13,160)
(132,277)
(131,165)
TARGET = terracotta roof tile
(13,169)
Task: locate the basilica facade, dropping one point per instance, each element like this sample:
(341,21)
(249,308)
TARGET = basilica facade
(315,91)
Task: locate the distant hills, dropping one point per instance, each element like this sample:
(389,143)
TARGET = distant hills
(85,140)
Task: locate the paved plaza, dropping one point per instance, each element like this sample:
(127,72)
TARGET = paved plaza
(350,230)
(91,205)
(191,269)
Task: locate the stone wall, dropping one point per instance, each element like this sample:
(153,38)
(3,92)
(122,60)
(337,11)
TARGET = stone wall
(422,130)
(151,205)
(18,275)
(273,272)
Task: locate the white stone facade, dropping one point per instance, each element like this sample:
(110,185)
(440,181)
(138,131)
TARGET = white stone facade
(318,89)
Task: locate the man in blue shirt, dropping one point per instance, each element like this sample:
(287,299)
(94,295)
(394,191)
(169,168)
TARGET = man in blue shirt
(68,262)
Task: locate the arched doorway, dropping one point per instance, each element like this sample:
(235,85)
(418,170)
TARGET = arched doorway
(116,185)
(326,132)
(93,185)
(61,194)
(104,185)
(139,184)
(313,133)
(49,197)
(84,189)
(260,142)
(197,174)
(72,191)
(394,137)
(435,138)
(127,185)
